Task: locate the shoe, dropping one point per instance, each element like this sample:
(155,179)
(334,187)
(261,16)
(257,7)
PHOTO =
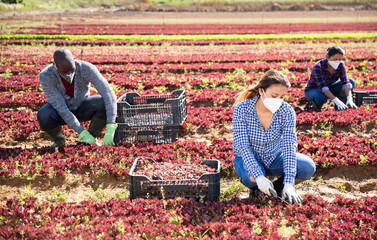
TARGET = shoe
(317,107)
(57,136)
(279,185)
(254,192)
(96,126)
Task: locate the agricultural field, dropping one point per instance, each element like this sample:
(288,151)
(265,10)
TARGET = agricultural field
(82,192)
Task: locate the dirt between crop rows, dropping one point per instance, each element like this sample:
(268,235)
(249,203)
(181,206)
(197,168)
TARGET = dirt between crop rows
(350,182)
(104,16)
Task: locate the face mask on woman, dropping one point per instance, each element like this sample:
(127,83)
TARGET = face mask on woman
(272,104)
(334,64)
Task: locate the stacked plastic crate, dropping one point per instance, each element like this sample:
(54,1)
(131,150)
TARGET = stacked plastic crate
(365,97)
(153,118)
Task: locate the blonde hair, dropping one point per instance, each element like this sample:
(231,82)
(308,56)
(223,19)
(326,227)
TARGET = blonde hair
(269,78)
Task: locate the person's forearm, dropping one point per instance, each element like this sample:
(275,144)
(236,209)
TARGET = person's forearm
(348,91)
(329,95)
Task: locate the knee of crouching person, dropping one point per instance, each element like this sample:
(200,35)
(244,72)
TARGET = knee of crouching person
(308,170)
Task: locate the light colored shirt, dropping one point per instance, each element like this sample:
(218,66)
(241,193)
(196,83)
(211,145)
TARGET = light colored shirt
(253,144)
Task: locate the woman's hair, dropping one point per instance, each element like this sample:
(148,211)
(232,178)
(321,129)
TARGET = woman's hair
(334,50)
(269,78)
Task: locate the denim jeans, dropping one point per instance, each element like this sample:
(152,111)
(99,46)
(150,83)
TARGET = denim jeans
(93,106)
(316,95)
(305,168)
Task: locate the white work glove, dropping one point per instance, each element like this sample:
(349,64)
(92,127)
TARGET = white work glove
(339,104)
(350,102)
(266,186)
(290,193)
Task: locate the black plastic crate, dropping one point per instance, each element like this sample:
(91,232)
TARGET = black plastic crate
(156,134)
(365,97)
(207,187)
(152,110)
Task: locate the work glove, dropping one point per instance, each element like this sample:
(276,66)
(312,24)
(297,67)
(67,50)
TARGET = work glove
(109,135)
(339,104)
(350,102)
(266,186)
(86,137)
(290,193)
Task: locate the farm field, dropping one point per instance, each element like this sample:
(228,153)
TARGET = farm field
(80,191)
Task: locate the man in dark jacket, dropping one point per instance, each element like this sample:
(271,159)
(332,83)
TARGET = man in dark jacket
(66,84)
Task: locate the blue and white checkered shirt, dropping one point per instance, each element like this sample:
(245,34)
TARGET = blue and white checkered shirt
(253,144)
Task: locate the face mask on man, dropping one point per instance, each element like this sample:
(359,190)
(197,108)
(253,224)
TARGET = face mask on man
(334,64)
(272,104)
(68,77)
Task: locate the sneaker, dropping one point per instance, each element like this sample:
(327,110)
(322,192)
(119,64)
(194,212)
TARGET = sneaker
(279,185)
(58,144)
(254,192)
(317,107)
(97,143)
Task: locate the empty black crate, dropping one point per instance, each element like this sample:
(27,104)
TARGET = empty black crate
(207,187)
(365,97)
(156,134)
(152,110)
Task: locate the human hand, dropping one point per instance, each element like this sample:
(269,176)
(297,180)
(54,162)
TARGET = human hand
(290,193)
(109,135)
(266,186)
(339,104)
(86,137)
(350,102)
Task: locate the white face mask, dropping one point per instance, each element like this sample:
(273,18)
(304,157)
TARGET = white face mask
(334,64)
(272,104)
(68,77)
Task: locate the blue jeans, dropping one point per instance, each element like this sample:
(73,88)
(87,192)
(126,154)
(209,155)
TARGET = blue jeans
(305,168)
(316,95)
(93,106)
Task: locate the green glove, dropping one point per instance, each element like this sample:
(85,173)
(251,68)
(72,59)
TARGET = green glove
(109,135)
(86,137)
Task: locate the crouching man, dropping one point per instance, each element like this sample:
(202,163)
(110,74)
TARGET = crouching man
(66,84)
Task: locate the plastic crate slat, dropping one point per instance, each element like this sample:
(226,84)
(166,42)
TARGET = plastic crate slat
(156,134)
(156,100)
(172,188)
(145,133)
(146,110)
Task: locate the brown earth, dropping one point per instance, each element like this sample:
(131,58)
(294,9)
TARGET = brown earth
(209,7)
(104,16)
(351,182)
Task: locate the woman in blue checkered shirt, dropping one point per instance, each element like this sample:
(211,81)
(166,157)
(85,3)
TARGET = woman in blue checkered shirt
(265,141)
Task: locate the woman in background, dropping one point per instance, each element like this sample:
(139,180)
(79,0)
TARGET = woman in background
(329,80)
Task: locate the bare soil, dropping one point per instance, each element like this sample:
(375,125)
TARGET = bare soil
(351,181)
(105,16)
